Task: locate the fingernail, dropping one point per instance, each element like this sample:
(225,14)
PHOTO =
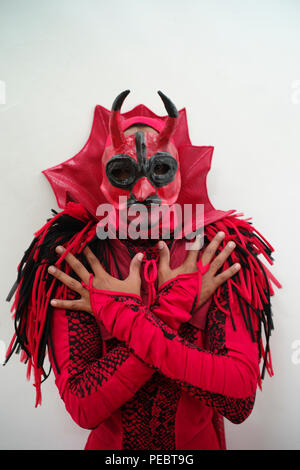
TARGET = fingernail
(161,245)
(140,256)
(59,249)
(231,244)
(221,234)
(53,302)
(237,266)
(51,269)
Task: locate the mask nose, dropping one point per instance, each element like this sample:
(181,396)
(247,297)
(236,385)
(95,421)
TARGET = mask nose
(143,189)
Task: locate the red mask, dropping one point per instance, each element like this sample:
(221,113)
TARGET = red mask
(83,178)
(142,167)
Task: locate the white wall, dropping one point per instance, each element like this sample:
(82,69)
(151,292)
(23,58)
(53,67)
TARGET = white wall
(235,67)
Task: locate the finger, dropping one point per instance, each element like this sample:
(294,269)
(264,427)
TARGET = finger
(68,304)
(65,279)
(164,256)
(193,252)
(135,265)
(228,273)
(211,249)
(222,257)
(94,263)
(75,264)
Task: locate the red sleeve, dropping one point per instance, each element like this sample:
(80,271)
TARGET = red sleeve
(92,385)
(216,338)
(226,379)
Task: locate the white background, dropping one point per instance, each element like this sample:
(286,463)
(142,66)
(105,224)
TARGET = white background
(235,66)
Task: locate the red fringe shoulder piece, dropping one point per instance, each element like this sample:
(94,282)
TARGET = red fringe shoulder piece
(74,228)
(252,285)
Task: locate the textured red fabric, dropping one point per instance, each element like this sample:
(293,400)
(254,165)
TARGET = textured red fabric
(125,317)
(100,387)
(86,366)
(94,385)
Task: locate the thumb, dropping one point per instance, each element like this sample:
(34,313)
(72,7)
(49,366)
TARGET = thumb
(135,265)
(164,256)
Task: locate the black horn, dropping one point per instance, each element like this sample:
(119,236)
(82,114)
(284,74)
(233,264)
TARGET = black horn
(117,135)
(171,122)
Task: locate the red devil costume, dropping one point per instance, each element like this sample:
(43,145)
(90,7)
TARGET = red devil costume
(151,371)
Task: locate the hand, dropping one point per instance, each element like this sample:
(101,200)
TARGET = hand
(101,280)
(210,281)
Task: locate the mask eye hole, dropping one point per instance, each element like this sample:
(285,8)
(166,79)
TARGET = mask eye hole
(122,173)
(121,170)
(162,168)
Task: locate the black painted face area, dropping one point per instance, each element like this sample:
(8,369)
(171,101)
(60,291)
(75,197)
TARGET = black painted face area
(123,171)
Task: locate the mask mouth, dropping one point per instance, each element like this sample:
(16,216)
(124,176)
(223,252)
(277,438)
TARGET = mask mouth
(148,202)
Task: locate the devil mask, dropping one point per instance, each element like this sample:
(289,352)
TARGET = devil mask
(159,167)
(142,167)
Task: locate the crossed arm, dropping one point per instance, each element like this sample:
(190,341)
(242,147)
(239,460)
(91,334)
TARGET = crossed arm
(94,386)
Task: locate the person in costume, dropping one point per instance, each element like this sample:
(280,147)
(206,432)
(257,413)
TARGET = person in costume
(151,344)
